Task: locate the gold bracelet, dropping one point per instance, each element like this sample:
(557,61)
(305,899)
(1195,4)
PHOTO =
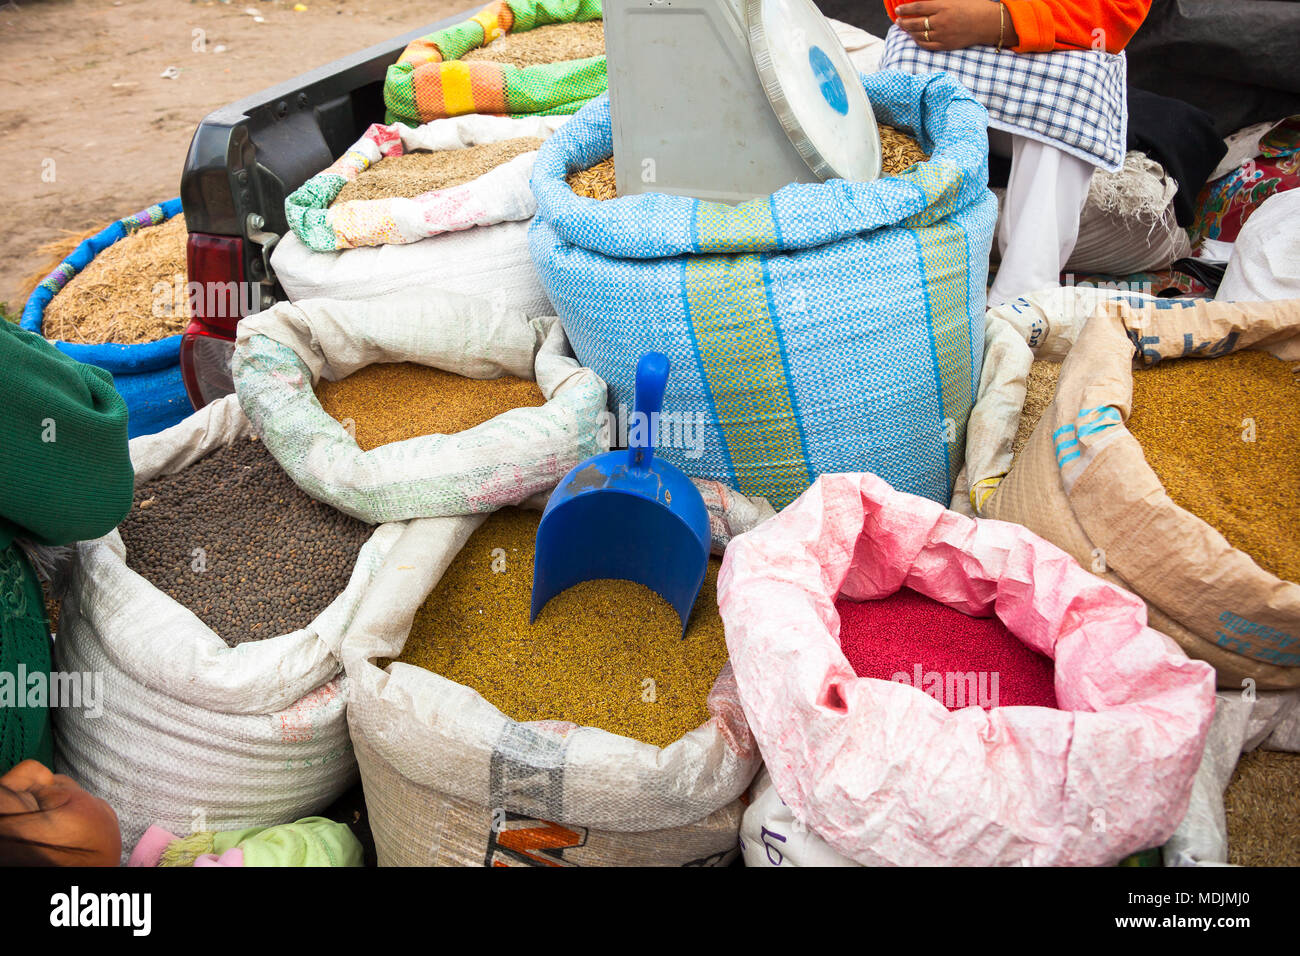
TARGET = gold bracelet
(1002,23)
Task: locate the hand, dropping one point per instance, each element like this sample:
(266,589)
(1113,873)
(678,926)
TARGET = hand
(956,24)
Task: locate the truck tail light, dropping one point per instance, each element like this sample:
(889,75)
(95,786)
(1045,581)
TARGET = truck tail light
(205,365)
(219,296)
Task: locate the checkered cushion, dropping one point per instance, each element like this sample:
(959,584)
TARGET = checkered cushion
(1075,100)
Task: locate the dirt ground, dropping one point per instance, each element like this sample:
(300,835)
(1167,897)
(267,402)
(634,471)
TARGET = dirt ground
(89,129)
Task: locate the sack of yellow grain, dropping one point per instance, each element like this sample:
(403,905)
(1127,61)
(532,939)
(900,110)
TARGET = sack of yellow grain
(416,377)
(1186,494)
(486,741)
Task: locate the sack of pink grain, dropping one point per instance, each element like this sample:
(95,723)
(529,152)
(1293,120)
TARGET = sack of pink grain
(852,617)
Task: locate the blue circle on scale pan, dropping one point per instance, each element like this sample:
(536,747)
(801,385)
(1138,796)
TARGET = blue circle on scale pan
(829,80)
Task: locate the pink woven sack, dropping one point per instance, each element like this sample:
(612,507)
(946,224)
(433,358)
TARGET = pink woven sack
(882,771)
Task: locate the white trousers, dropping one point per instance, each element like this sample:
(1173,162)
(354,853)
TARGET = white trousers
(1040,219)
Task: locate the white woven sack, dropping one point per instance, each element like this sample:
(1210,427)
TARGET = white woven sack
(1037,326)
(1242,722)
(1265,261)
(771,835)
(194,734)
(490,260)
(427,744)
(282,353)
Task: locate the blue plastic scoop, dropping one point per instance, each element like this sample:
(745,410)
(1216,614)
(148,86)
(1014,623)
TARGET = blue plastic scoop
(627,515)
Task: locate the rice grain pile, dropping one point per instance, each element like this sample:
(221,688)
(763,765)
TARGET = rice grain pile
(233,539)
(1263,809)
(554,43)
(607,654)
(393,401)
(1223,437)
(117,297)
(899,153)
(1039,392)
(422,171)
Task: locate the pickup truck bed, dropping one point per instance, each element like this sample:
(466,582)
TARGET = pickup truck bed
(244,160)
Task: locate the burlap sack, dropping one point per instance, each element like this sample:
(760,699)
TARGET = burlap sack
(1102,503)
(450,780)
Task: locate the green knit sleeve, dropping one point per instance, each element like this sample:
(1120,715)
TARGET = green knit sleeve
(65,469)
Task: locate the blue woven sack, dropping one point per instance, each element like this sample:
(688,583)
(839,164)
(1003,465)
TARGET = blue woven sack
(148,375)
(828,327)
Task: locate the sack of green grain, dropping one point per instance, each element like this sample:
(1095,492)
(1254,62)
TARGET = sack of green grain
(190,718)
(445,206)
(1219,438)
(1025,342)
(418,462)
(450,779)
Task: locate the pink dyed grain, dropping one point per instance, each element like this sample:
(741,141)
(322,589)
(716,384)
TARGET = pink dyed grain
(894,635)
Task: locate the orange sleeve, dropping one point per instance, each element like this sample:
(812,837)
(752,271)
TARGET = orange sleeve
(1043,25)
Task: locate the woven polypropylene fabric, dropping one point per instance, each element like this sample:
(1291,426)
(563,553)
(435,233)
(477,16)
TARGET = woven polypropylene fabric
(147,375)
(829,327)
(1075,100)
(428,81)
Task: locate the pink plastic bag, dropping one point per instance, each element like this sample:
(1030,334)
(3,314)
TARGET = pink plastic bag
(882,771)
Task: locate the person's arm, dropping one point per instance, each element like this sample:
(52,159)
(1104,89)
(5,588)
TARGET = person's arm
(1044,25)
(1026,26)
(65,469)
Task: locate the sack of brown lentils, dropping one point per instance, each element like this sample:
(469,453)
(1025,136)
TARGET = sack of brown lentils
(461,766)
(1168,463)
(1025,342)
(418,403)
(203,634)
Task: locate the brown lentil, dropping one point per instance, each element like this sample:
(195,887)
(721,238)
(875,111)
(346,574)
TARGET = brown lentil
(1263,810)
(607,654)
(553,43)
(1192,418)
(115,298)
(233,539)
(1040,389)
(389,402)
(422,171)
(899,153)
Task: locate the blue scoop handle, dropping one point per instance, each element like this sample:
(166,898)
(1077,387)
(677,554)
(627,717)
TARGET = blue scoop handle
(651,382)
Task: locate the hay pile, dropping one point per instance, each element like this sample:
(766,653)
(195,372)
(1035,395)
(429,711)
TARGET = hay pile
(412,174)
(556,43)
(1263,807)
(119,297)
(55,251)
(899,153)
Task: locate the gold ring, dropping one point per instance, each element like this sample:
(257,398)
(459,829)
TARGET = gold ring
(927,36)
(927,25)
